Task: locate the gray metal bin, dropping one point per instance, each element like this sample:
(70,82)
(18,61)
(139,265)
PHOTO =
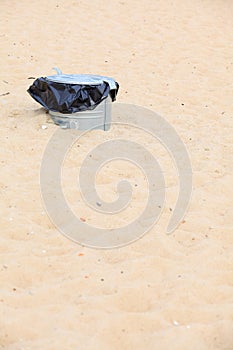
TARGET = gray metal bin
(98,118)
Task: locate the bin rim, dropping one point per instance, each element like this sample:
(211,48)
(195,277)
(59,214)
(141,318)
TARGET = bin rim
(81,79)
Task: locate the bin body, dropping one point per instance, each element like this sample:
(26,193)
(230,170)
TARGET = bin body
(98,118)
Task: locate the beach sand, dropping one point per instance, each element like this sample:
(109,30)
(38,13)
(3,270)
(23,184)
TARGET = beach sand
(163,291)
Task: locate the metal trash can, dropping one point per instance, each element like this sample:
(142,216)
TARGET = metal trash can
(76,101)
(98,118)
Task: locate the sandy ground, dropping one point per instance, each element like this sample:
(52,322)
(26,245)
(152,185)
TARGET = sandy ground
(161,292)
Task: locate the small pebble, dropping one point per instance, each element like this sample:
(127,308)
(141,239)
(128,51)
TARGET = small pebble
(82,219)
(175,323)
(99,204)
(44,127)
(5,94)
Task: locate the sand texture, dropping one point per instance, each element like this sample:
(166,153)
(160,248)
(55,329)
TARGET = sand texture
(161,292)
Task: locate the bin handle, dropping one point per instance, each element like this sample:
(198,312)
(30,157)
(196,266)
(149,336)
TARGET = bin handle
(57,70)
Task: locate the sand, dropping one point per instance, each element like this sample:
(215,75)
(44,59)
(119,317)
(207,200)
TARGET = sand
(161,292)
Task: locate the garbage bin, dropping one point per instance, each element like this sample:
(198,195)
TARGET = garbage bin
(76,101)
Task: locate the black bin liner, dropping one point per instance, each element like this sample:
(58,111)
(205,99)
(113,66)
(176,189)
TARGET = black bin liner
(61,93)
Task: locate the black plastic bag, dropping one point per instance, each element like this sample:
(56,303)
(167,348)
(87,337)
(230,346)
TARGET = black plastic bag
(61,94)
